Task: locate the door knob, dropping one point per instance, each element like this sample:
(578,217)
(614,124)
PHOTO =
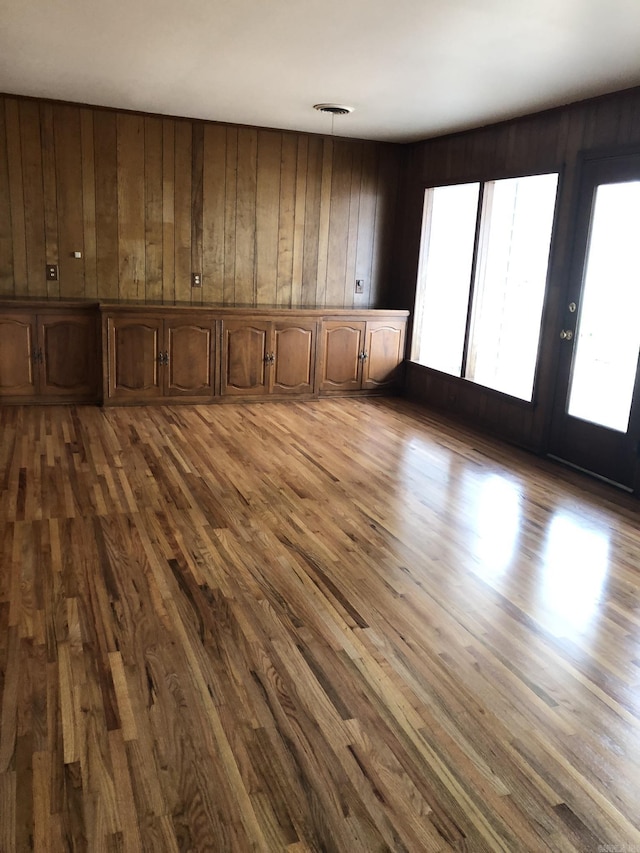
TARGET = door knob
(566,334)
(572,307)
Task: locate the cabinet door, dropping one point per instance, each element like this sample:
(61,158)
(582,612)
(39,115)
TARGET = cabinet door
(384,348)
(18,355)
(189,344)
(294,350)
(342,347)
(69,347)
(134,352)
(244,355)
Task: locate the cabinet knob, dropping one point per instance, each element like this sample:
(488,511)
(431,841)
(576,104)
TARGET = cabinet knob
(363,356)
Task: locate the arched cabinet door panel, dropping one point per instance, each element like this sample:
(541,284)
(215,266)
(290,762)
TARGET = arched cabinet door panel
(69,347)
(385,352)
(189,367)
(134,356)
(244,357)
(342,348)
(18,355)
(294,351)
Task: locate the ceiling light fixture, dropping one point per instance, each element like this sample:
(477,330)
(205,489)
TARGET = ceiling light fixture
(333,110)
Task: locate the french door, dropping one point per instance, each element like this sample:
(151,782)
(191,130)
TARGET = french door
(596,410)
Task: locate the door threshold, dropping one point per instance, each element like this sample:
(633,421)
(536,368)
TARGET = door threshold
(600,477)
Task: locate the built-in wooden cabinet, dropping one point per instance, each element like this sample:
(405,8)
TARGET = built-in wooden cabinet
(268,357)
(50,355)
(56,352)
(149,356)
(361,355)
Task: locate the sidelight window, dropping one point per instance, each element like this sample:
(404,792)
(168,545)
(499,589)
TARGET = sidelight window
(482,278)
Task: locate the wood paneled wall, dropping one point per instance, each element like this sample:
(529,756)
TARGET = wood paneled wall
(266,217)
(548,141)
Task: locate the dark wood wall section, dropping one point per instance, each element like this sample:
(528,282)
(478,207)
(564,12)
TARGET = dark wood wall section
(266,217)
(549,141)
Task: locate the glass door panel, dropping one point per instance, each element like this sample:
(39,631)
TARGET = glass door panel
(608,334)
(596,410)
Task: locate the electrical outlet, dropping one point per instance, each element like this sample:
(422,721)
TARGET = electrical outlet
(359,285)
(51,272)
(196,279)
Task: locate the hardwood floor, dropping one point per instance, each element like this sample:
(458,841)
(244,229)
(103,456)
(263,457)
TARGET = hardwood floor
(329,626)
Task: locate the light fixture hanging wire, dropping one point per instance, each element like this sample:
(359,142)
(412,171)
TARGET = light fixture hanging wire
(333,110)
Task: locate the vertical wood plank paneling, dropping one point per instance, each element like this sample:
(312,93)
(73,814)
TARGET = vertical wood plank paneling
(197,169)
(16,197)
(214,186)
(625,125)
(245,287)
(312,221)
(287,222)
(49,191)
(6,238)
(299,221)
(630,123)
(366,221)
(33,197)
(380,229)
(338,241)
(168,211)
(131,212)
(268,168)
(382,249)
(68,143)
(106,170)
(182,196)
(89,203)
(263,215)
(324,221)
(291,219)
(153,207)
(350,296)
(230,218)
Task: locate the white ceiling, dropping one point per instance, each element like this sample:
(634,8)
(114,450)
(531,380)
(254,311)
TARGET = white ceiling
(411,68)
